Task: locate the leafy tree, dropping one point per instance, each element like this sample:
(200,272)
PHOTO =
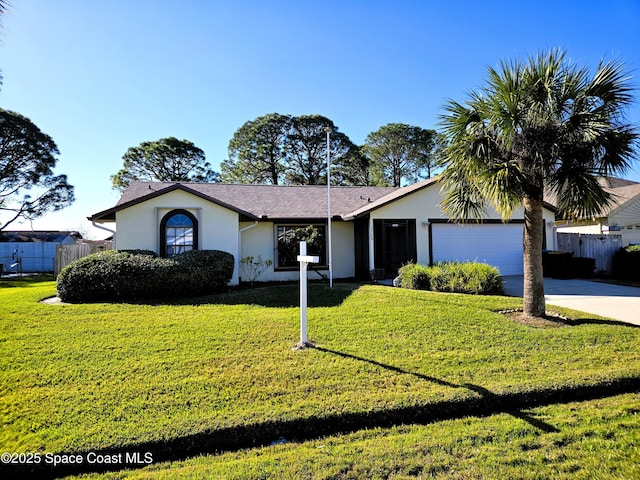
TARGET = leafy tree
(536,124)
(276,149)
(352,169)
(165,160)
(307,150)
(399,151)
(257,151)
(28,186)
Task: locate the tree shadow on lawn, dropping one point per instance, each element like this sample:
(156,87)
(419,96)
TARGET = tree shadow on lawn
(214,441)
(486,396)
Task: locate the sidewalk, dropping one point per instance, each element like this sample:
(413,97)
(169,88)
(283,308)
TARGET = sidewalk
(617,302)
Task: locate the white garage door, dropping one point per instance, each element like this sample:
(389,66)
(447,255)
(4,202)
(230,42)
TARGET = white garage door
(499,245)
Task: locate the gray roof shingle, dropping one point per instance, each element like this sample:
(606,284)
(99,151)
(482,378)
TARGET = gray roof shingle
(286,202)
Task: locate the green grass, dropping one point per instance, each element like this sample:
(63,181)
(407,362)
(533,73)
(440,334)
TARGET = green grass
(590,440)
(76,378)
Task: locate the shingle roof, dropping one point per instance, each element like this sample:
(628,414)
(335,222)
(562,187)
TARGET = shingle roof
(286,202)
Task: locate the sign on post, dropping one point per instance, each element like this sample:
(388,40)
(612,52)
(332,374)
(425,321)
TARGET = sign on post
(304,260)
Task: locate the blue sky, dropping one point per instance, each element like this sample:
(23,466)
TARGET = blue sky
(100,77)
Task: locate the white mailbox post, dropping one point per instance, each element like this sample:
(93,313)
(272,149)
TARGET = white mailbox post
(304,260)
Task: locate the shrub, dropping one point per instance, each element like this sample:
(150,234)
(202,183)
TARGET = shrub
(414,276)
(138,251)
(457,277)
(204,270)
(468,277)
(119,275)
(254,267)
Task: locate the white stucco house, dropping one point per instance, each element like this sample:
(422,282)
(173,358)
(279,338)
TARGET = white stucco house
(375,230)
(621,217)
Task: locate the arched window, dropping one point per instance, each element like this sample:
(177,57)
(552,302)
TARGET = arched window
(178,233)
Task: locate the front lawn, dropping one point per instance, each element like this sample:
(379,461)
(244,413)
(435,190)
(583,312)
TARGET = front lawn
(586,440)
(188,379)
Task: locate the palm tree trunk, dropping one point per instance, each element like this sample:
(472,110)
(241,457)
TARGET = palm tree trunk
(533,298)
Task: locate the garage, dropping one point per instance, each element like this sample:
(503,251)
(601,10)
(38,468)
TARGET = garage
(498,244)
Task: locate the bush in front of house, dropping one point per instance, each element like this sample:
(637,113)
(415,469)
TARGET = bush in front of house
(125,276)
(626,263)
(414,276)
(455,277)
(204,270)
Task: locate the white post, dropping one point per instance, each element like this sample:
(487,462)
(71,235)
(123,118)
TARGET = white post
(330,260)
(303,295)
(304,260)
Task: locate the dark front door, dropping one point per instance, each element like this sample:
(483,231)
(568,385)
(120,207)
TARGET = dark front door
(394,244)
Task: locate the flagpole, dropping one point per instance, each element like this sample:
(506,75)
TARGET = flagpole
(328,130)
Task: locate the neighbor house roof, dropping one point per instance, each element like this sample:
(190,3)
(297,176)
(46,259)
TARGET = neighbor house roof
(620,189)
(283,202)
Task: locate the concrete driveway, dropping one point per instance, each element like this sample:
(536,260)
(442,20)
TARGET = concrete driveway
(612,301)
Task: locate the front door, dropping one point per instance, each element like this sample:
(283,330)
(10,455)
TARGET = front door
(394,244)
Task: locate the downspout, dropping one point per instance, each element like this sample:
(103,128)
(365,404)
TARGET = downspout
(113,232)
(244,229)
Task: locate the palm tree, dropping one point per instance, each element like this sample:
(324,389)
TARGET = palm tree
(537,125)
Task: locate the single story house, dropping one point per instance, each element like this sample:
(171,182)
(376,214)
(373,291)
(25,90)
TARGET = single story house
(621,217)
(32,251)
(375,230)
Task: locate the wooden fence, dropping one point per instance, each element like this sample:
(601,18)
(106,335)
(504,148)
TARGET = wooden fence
(65,254)
(600,247)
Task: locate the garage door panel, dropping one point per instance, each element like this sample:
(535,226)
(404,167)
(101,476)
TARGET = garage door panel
(499,245)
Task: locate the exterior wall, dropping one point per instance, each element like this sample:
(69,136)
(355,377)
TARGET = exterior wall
(259,240)
(424,205)
(628,217)
(586,229)
(138,226)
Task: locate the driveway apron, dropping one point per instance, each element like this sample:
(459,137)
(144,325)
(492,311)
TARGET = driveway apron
(617,302)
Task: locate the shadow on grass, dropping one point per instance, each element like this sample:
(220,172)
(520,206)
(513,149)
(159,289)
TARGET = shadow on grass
(279,295)
(485,395)
(600,321)
(484,403)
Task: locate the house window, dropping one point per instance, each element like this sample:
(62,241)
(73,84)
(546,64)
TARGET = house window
(288,238)
(178,233)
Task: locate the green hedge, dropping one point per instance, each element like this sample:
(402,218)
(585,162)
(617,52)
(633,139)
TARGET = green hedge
(140,275)
(457,277)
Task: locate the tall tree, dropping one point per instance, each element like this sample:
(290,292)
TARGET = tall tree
(399,151)
(351,169)
(165,160)
(28,186)
(257,151)
(307,150)
(538,123)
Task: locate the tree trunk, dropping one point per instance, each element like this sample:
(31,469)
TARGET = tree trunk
(533,298)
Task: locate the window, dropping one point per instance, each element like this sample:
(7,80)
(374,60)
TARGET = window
(288,238)
(178,233)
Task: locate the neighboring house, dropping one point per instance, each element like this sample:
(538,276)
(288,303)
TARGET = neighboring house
(622,217)
(375,230)
(32,251)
